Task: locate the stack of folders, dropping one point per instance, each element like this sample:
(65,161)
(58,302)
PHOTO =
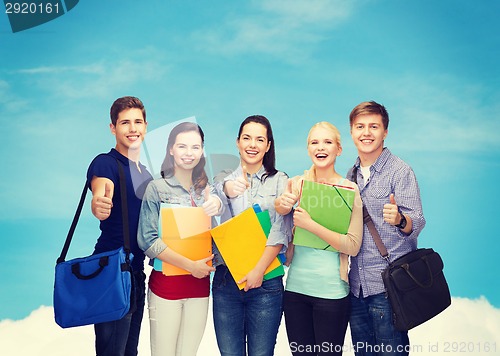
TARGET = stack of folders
(330,206)
(186,230)
(240,240)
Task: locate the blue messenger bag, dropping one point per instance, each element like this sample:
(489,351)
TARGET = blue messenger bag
(96,288)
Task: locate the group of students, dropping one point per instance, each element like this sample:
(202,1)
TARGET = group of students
(324,290)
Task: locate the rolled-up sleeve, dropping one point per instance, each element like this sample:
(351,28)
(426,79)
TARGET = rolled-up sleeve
(281,229)
(147,233)
(407,195)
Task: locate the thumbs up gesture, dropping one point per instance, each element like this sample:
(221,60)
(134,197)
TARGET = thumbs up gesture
(391,211)
(102,204)
(287,200)
(211,206)
(238,186)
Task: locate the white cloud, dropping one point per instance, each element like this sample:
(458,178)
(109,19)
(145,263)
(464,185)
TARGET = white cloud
(95,68)
(451,117)
(100,78)
(466,327)
(433,114)
(283,28)
(9,102)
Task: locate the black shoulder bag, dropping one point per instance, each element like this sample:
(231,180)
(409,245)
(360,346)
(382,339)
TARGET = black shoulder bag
(414,283)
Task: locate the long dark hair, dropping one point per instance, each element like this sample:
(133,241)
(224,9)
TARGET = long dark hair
(200,178)
(269,160)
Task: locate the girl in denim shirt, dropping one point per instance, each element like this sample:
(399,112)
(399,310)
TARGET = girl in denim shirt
(178,305)
(251,317)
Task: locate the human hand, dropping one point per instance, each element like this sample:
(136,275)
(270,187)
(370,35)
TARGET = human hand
(391,212)
(211,206)
(240,184)
(288,199)
(253,279)
(201,269)
(101,205)
(301,217)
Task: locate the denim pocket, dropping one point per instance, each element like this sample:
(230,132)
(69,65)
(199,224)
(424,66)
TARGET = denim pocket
(274,285)
(219,280)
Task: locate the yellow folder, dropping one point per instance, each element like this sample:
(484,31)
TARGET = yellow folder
(328,205)
(241,241)
(186,230)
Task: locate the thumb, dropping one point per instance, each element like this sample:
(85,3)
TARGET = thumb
(244,168)
(108,193)
(207,259)
(206,192)
(289,186)
(393,201)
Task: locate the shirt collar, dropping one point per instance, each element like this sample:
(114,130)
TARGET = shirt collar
(260,173)
(119,156)
(124,159)
(381,160)
(379,163)
(173,181)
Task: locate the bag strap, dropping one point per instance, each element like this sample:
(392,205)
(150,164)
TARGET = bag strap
(367,219)
(126,229)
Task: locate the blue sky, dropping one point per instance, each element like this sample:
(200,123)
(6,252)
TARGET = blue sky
(434,64)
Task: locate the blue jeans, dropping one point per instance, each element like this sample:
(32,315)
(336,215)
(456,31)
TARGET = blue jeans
(242,318)
(121,337)
(372,329)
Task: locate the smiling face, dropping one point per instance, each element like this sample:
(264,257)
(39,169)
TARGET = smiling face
(368,134)
(253,145)
(323,147)
(129,130)
(187,150)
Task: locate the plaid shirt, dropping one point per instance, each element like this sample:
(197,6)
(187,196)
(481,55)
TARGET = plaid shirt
(389,174)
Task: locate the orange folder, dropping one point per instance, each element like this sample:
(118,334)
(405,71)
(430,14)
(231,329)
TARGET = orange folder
(186,230)
(241,241)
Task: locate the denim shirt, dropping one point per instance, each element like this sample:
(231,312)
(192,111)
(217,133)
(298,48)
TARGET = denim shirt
(163,190)
(263,191)
(388,174)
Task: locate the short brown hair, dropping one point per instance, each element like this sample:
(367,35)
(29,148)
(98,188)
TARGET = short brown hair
(370,108)
(124,103)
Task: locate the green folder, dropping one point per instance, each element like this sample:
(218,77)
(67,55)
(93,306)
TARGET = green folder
(328,205)
(265,222)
